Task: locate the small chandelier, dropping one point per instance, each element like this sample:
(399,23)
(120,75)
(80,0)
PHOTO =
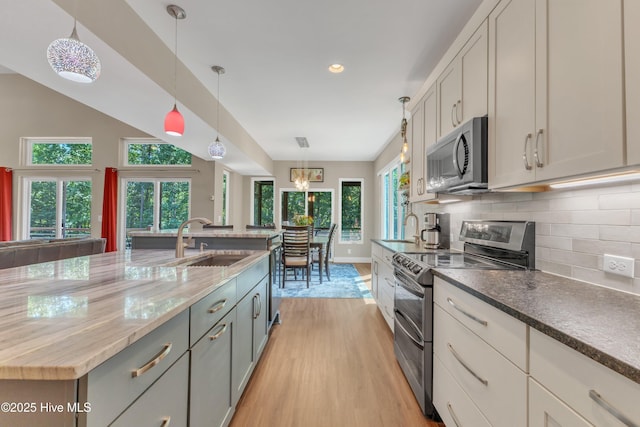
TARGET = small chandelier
(216,148)
(73,60)
(301,180)
(403,129)
(173,121)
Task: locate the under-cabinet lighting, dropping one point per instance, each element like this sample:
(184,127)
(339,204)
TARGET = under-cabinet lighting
(602,179)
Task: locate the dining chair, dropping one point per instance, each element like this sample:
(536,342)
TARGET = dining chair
(315,257)
(295,252)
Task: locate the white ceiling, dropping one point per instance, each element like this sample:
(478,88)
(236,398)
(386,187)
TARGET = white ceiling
(276,55)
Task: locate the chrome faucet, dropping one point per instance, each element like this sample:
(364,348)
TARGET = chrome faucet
(416,235)
(180,245)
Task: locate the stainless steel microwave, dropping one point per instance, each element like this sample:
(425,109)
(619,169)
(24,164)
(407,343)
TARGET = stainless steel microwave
(457,163)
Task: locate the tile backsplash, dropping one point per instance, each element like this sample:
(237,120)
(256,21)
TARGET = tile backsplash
(574,228)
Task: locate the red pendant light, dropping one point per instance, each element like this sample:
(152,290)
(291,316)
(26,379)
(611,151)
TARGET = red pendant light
(174,122)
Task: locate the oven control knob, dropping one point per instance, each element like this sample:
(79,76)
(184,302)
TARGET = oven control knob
(416,269)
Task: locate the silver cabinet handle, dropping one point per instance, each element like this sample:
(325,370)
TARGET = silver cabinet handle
(466,313)
(218,334)
(453,121)
(527,166)
(535,151)
(459,103)
(465,366)
(217,306)
(453,415)
(165,422)
(595,396)
(387,258)
(255,308)
(390,282)
(375,267)
(259,304)
(153,362)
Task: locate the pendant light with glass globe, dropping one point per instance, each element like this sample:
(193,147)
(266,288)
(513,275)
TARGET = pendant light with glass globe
(173,121)
(217,149)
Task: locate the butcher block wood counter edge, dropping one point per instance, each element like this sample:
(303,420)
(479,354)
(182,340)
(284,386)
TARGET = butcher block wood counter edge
(60,319)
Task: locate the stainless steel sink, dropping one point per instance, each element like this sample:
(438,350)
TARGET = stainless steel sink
(396,241)
(212,260)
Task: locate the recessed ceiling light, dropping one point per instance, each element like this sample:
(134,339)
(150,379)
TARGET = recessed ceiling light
(336,68)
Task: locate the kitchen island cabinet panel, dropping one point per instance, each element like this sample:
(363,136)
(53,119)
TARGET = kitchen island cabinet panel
(112,386)
(250,337)
(211,403)
(164,404)
(210,309)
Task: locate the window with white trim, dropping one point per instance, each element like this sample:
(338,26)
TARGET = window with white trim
(393,211)
(154,204)
(263,201)
(226,183)
(56,207)
(62,152)
(317,203)
(145,152)
(351,203)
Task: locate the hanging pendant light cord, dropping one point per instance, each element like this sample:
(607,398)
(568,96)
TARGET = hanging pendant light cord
(218,110)
(175,64)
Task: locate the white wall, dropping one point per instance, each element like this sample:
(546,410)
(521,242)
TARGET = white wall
(574,229)
(29,109)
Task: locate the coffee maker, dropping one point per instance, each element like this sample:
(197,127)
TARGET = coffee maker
(436,233)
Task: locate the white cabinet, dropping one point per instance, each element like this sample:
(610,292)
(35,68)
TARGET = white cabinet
(555,89)
(632,78)
(494,384)
(600,395)
(454,405)
(385,281)
(424,134)
(546,410)
(462,86)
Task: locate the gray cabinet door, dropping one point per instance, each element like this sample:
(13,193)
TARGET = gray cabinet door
(260,321)
(164,403)
(251,335)
(210,403)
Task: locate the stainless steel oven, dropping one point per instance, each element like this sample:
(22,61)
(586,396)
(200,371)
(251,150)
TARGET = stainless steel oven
(488,245)
(413,344)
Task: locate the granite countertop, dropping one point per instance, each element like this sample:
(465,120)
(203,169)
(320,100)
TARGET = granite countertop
(210,232)
(401,245)
(601,323)
(59,320)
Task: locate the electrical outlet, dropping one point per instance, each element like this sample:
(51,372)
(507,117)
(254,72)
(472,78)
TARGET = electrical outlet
(618,265)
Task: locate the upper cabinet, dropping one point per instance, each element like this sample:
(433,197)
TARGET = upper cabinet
(423,134)
(632,76)
(555,89)
(462,86)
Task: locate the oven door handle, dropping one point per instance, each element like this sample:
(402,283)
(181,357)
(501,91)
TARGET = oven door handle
(417,290)
(415,328)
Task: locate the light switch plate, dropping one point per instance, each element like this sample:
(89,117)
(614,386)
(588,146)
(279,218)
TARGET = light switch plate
(619,265)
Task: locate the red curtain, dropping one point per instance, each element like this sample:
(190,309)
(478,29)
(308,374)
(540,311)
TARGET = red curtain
(110,208)
(6,190)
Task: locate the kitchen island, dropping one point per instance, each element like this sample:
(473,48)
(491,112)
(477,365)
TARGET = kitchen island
(64,320)
(212,238)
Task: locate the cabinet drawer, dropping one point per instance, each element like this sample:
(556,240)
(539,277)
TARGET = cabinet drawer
(166,401)
(376,250)
(547,410)
(206,312)
(493,383)
(503,332)
(112,386)
(573,376)
(250,277)
(452,403)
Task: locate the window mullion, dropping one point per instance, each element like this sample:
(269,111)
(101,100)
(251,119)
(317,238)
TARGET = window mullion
(156,203)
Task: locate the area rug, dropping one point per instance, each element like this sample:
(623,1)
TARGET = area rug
(345,283)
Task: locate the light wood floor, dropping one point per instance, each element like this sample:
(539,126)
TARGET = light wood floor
(329,364)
